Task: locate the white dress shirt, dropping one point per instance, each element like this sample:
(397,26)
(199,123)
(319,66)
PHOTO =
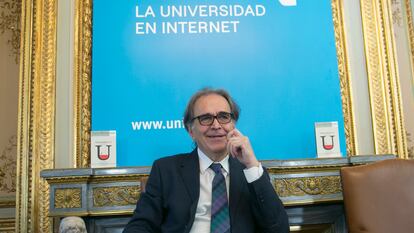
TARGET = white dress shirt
(203,213)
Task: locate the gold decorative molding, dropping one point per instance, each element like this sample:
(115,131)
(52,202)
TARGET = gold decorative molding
(97,179)
(7,225)
(36,120)
(7,202)
(68,180)
(10,13)
(68,198)
(410,26)
(8,168)
(82,85)
(135,177)
(115,196)
(397,17)
(410,149)
(46,124)
(323,185)
(383,80)
(344,77)
(303,169)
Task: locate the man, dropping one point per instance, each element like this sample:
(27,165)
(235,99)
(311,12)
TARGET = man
(188,192)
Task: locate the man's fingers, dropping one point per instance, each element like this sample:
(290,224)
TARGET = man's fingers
(234,145)
(234,133)
(230,134)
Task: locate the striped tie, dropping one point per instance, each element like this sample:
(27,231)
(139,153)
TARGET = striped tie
(220,220)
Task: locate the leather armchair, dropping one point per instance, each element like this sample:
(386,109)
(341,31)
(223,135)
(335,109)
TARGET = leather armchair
(379,197)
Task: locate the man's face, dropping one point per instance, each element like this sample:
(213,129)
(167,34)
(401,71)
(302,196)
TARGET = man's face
(212,139)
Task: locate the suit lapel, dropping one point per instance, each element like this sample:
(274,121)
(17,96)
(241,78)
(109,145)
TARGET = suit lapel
(236,186)
(189,168)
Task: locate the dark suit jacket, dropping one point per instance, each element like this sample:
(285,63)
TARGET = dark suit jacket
(170,199)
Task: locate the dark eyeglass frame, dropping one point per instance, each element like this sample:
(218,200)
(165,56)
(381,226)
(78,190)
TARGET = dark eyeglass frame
(228,117)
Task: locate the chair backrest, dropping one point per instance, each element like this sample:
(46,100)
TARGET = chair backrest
(379,197)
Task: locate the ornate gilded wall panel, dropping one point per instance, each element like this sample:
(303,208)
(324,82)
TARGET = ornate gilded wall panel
(115,196)
(344,76)
(383,80)
(25,118)
(94,191)
(68,198)
(7,226)
(36,114)
(8,168)
(10,24)
(303,186)
(410,26)
(82,92)
(10,13)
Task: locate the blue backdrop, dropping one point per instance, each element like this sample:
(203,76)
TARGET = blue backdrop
(278,62)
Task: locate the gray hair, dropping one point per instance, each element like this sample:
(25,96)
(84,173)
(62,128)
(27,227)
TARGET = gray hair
(189,111)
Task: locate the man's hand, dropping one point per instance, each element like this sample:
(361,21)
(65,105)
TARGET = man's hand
(239,147)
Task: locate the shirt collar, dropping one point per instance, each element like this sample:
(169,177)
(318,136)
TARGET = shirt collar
(205,162)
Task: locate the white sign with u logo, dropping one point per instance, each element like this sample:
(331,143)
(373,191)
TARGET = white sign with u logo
(103,148)
(327,139)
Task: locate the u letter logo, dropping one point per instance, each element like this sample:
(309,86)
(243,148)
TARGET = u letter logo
(103,156)
(327,146)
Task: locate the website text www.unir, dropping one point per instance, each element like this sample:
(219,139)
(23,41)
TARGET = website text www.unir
(157,125)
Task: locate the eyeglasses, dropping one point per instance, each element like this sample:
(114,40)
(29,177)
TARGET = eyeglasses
(208,119)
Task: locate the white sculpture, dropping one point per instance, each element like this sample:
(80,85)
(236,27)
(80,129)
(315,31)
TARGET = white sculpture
(72,225)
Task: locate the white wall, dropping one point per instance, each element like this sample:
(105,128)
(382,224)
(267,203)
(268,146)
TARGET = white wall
(64,131)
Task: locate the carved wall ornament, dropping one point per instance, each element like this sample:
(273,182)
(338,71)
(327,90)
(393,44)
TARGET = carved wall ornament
(324,185)
(83,84)
(410,26)
(397,17)
(383,79)
(68,198)
(344,76)
(116,196)
(36,118)
(7,225)
(410,148)
(10,14)
(8,167)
